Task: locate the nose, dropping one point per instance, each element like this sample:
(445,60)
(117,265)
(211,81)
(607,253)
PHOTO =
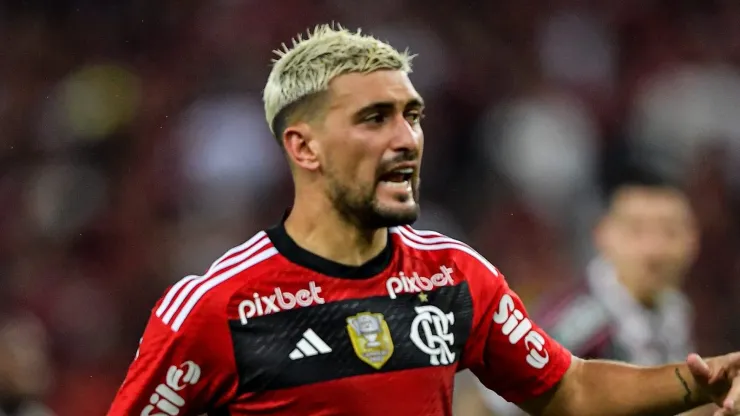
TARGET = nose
(406,136)
(654,246)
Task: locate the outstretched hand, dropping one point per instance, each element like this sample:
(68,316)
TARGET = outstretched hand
(719,379)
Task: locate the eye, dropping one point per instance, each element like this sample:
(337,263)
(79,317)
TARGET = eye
(375,118)
(414,117)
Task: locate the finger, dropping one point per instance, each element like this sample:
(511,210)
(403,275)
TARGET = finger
(699,368)
(733,397)
(724,412)
(720,412)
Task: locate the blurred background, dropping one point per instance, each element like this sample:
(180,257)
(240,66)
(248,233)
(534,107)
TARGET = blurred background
(134,150)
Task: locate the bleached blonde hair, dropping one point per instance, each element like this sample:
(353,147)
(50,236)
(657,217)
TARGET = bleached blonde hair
(307,68)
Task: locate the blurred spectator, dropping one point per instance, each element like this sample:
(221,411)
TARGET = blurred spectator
(25,373)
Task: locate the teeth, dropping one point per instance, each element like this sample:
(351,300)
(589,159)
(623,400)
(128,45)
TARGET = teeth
(403,185)
(405,171)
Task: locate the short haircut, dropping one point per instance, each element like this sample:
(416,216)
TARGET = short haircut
(302,72)
(637,176)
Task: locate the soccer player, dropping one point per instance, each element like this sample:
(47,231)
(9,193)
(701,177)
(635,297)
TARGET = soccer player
(647,242)
(343,309)
(629,306)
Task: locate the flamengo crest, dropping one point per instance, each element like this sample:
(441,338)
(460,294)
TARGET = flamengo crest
(431,333)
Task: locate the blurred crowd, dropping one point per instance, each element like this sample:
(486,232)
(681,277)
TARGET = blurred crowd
(134,149)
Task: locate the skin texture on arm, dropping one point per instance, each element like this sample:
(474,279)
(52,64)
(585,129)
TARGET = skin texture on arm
(606,388)
(707,410)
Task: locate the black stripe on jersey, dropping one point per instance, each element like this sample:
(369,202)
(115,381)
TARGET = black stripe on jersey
(262,347)
(223,411)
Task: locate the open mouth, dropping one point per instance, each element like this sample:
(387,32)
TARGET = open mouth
(400,177)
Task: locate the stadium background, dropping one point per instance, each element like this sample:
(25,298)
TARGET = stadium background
(133,147)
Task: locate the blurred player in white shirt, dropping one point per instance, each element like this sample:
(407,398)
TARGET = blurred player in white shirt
(629,307)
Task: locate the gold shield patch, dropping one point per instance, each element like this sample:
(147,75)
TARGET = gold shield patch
(371,338)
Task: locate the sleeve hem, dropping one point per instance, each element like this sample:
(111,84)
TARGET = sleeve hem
(548,381)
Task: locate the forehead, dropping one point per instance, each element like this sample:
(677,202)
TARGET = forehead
(357,90)
(651,202)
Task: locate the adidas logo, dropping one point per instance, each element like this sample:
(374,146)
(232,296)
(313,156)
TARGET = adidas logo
(309,346)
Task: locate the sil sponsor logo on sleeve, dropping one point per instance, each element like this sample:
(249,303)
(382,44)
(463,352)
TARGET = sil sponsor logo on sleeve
(166,399)
(517,327)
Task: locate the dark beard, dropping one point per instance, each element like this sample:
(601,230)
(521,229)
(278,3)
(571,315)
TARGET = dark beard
(358,206)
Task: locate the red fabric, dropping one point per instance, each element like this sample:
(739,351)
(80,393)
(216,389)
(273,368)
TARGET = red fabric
(506,347)
(518,367)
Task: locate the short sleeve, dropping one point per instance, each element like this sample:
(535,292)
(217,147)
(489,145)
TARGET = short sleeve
(188,371)
(507,351)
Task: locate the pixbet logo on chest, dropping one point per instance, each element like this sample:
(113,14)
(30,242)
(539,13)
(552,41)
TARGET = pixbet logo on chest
(279,301)
(416,283)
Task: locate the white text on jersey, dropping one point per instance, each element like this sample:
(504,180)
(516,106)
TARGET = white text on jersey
(279,301)
(516,326)
(416,283)
(166,398)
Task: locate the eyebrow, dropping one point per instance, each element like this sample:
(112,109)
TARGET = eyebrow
(389,105)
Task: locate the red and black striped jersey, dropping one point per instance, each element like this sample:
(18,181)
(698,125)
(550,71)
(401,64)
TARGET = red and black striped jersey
(273,329)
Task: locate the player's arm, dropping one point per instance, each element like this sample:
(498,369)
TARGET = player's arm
(612,388)
(574,319)
(187,371)
(506,350)
(511,355)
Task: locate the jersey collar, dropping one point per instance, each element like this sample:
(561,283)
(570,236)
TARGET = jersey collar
(289,249)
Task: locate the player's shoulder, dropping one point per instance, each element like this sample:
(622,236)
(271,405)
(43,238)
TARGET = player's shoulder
(442,248)
(208,294)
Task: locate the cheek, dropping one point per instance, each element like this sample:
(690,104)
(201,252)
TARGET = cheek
(627,255)
(356,158)
(626,250)
(680,251)
(365,174)
(361,166)
(353,171)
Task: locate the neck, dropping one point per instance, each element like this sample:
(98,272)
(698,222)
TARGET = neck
(318,228)
(647,300)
